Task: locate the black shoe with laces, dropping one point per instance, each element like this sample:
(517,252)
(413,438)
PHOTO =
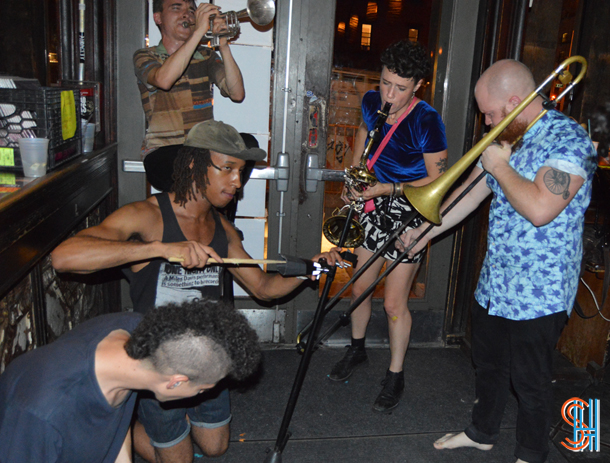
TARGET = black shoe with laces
(393,385)
(344,368)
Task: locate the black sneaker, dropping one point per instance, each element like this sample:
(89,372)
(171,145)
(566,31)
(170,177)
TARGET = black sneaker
(388,398)
(344,368)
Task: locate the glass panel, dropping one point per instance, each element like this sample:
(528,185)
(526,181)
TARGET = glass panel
(365,41)
(356,70)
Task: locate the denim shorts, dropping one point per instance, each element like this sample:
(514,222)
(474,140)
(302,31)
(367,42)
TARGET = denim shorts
(166,423)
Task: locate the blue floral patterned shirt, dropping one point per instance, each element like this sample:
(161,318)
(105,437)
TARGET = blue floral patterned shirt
(529,271)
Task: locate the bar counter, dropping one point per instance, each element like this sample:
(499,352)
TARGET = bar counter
(36,304)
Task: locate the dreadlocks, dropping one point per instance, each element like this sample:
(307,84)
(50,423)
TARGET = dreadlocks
(184,174)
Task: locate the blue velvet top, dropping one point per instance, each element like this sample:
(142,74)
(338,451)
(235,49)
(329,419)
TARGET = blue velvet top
(402,160)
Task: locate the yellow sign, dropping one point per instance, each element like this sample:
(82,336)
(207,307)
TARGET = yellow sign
(7,157)
(68,114)
(6,178)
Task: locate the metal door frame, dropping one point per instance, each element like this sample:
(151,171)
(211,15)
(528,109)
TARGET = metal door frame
(301,76)
(302,71)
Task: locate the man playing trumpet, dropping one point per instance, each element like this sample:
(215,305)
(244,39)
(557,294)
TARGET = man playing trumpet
(175,80)
(540,189)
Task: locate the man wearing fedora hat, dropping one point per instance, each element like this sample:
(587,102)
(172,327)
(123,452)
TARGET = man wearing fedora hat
(182,226)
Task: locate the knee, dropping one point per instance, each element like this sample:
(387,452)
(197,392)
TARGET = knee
(395,311)
(212,442)
(357,291)
(214,449)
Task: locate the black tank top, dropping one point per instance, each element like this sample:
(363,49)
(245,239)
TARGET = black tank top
(161,282)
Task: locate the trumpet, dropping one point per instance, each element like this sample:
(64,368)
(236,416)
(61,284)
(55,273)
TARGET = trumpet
(343,221)
(261,12)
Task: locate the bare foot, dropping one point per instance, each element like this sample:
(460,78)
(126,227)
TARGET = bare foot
(454,441)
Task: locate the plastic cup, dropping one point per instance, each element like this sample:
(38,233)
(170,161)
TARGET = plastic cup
(34,156)
(88,137)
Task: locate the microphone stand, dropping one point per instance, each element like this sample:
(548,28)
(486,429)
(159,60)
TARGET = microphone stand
(275,455)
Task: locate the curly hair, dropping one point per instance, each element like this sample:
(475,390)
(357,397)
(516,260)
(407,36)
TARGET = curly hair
(407,59)
(195,337)
(184,174)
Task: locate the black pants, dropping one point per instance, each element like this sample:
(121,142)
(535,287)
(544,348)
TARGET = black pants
(518,352)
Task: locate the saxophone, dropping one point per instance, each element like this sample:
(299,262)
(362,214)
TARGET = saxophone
(359,178)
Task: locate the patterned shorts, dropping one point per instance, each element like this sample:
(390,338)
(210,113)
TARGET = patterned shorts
(379,224)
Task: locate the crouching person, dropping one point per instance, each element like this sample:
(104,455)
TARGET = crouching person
(72,401)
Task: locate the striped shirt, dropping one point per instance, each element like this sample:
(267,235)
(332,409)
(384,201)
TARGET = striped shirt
(171,114)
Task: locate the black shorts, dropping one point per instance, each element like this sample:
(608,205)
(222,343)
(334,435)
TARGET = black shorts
(388,215)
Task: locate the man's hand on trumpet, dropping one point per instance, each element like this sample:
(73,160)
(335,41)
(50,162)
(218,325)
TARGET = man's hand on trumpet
(202,18)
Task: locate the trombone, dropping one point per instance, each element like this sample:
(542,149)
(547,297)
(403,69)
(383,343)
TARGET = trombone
(426,201)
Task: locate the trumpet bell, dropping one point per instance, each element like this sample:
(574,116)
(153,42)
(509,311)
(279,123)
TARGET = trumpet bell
(333,227)
(261,12)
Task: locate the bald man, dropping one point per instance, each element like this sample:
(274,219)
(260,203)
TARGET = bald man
(540,187)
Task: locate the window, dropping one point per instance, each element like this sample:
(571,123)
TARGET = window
(394,9)
(371,11)
(365,39)
(353,22)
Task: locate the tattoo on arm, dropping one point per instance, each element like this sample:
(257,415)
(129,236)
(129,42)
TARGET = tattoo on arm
(442,166)
(557,182)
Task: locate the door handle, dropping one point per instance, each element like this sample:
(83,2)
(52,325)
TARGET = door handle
(315,174)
